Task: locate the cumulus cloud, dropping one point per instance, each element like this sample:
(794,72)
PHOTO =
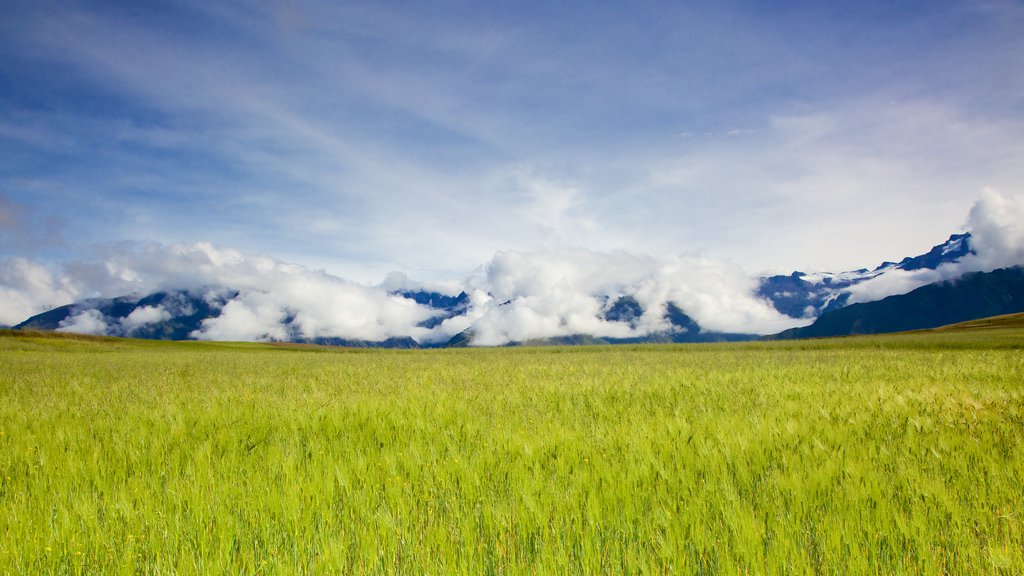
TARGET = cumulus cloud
(85,322)
(28,288)
(516,296)
(996,224)
(143,316)
(316,305)
(268,299)
(254,316)
(528,295)
(275,300)
(523,296)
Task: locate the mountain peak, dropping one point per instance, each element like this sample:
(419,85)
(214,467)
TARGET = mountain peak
(801,295)
(184,314)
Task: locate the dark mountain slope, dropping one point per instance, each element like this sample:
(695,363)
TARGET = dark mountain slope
(975,295)
(801,295)
(185,312)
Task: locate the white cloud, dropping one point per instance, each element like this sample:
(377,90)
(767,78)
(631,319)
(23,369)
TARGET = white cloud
(145,315)
(271,292)
(996,224)
(833,186)
(435,114)
(28,288)
(254,317)
(561,293)
(318,306)
(899,282)
(516,296)
(85,322)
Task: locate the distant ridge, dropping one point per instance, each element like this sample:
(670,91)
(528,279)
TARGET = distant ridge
(187,310)
(1011,323)
(821,296)
(804,295)
(971,296)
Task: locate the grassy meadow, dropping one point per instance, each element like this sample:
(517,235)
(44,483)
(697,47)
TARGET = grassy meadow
(894,454)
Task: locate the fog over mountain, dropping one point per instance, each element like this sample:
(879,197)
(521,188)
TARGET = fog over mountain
(515,297)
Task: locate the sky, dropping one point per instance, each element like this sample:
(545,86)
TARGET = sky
(435,139)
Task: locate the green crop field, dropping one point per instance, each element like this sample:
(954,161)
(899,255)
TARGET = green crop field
(895,454)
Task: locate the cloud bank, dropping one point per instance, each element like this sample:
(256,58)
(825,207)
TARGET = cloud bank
(523,296)
(516,296)
(274,301)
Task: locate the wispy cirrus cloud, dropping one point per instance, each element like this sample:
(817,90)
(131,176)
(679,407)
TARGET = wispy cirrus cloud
(361,138)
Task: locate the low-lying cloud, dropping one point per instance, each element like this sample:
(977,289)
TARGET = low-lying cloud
(996,224)
(28,288)
(515,297)
(85,322)
(523,296)
(144,316)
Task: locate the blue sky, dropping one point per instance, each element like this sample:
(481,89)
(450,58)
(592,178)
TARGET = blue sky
(426,137)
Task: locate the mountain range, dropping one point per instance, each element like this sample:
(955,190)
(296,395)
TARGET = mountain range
(822,297)
(801,295)
(971,296)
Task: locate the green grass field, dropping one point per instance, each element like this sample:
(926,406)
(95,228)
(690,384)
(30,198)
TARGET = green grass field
(895,454)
